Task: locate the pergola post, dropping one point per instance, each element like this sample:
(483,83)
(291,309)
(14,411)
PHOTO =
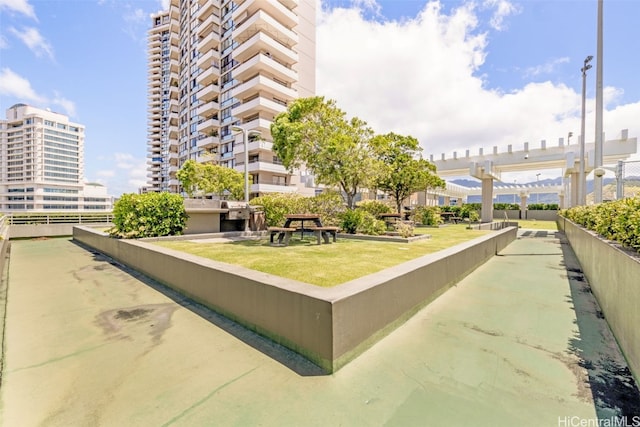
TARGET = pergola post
(487,200)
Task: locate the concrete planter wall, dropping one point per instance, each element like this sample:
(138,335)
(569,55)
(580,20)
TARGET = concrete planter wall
(329,326)
(511,213)
(21,231)
(542,215)
(613,274)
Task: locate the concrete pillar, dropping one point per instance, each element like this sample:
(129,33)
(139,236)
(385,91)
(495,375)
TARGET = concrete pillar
(575,177)
(523,206)
(561,204)
(487,200)
(460,201)
(447,200)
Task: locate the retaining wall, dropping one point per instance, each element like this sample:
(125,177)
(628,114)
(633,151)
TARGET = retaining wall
(21,231)
(329,326)
(613,274)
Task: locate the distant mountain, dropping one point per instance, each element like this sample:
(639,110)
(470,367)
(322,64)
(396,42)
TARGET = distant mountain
(632,187)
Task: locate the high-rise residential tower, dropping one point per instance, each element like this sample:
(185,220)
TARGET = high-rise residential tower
(42,164)
(215,65)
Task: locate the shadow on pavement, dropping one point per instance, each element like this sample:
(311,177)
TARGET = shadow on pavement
(286,357)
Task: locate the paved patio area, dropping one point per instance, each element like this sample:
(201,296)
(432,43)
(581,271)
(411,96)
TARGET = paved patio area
(520,341)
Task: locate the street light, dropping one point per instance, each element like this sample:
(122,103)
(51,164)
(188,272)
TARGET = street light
(598,143)
(245,140)
(582,194)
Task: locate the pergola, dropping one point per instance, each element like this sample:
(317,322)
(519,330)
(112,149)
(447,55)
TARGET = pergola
(488,167)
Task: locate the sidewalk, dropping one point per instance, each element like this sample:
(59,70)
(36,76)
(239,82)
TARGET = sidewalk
(520,341)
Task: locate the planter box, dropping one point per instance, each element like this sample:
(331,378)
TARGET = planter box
(329,326)
(613,273)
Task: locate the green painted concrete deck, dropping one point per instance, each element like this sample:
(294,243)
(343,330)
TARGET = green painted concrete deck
(520,341)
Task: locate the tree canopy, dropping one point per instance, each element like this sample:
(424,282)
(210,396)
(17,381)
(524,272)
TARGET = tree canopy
(206,178)
(344,153)
(315,133)
(401,169)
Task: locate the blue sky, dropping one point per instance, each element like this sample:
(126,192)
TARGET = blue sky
(454,74)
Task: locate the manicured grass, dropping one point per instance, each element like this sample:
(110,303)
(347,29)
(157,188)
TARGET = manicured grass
(325,265)
(537,224)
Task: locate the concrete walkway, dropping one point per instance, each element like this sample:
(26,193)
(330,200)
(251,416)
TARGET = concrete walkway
(521,341)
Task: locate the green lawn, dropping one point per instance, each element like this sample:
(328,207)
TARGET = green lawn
(325,265)
(537,224)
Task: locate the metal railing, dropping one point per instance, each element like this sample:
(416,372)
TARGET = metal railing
(58,218)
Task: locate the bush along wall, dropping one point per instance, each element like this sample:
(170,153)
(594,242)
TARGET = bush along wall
(617,220)
(148,215)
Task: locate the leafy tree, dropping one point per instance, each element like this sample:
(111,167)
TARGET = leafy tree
(315,133)
(211,179)
(190,176)
(401,169)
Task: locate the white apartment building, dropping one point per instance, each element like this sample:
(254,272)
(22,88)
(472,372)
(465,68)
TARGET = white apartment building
(42,164)
(217,64)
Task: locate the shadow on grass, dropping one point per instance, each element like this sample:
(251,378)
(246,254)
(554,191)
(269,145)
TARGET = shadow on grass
(612,385)
(283,355)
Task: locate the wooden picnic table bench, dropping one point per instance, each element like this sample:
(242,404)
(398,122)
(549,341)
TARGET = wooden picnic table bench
(324,233)
(284,234)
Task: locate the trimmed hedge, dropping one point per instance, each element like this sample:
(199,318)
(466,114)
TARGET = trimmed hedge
(617,220)
(148,215)
(277,206)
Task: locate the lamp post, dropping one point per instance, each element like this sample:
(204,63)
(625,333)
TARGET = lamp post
(582,193)
(598,143)
(245,140)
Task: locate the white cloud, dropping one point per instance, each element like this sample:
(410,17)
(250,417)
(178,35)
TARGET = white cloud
(20,6)
(106,173)
(68,106)
(420,77)
(34,41)
(16,86)
(121,173)
(503,9)
(3,42)
(548,68)
(12,84)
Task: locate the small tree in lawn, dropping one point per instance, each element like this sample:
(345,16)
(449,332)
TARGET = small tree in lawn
(401,169)
(315,133)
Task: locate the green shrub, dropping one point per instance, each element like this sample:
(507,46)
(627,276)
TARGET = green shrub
(369,224)
(351,220)
(405,230)
(374,207)
(427,215)
(473,215)
(466,210)
(148,215)
(618,220)
(506,206)
(542,207)
(277,205)
(330,205)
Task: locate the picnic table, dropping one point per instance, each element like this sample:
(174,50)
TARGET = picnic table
(390,219)
(450,217)
(285,232)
